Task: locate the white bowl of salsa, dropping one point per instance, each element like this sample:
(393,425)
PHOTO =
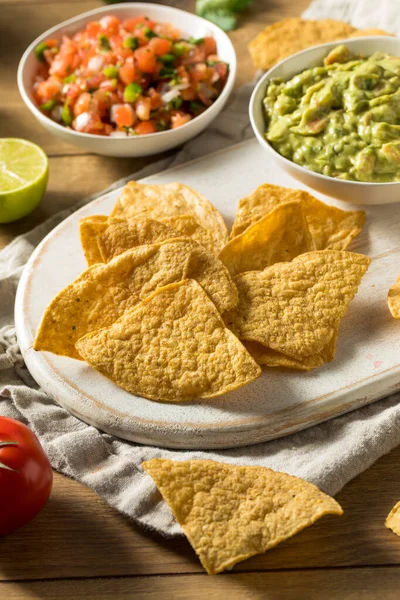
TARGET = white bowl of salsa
(139,139)
(349,190)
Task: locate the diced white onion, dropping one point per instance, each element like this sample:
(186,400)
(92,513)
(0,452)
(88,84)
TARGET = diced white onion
(82,121)
(181,86)
(96,63)
(56,113)
(112,111)
(170,95)
(118,134)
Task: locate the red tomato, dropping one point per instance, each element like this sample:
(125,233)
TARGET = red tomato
(25,475)
(146,60)
(160,46)
(145,127)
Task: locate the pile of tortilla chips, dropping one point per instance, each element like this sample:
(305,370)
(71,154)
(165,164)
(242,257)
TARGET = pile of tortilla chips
(281,39)
(170,310)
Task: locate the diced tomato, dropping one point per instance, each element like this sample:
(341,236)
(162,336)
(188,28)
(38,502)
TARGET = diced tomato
(195,55)
(73,91)
(145,127)
(167,30)
(124,115)
(146,60)
(143,108)
(88,122)
(110,24)
(200,72)
(93,29)
(49,89)
(160,46)
(51,43)
(188,94)
(62,63)
(210,46)
(155,98)
(179,118)
(220,72)
(102,99)
(83,104)
(128,72)
(131,24)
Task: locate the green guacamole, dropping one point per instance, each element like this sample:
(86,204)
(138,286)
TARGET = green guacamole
(341,119)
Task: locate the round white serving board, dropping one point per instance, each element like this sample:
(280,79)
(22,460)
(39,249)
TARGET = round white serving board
(367,365)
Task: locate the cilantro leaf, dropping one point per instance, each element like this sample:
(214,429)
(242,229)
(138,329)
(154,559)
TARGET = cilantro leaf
(221,12)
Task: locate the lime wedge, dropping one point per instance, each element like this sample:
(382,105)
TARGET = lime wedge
(24,171)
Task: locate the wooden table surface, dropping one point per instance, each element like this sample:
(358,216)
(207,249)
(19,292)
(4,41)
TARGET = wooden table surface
(79,547)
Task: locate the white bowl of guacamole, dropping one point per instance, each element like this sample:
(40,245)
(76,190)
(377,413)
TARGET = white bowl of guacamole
(330,116)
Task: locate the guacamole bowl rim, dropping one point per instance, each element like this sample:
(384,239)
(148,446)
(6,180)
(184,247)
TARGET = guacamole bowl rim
(359,192)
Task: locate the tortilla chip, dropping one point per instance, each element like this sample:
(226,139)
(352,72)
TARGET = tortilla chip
(170,200)
(102,293)
(279,236)
(271,358)
(187,225)
(172,347)
(394,299)
(230,513)
(330,227)
(294,308)
(90,229)
(393,519)
(291,35)
(366,32)
(121,235)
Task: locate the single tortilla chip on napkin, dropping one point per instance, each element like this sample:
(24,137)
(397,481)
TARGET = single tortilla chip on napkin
(294,308)
(394,299)
(90,230)
(169,200)
(171,347)
(289,36)
(331,228)
(278,236)
(393,519)
(230,513)
(271,358)
(101,294)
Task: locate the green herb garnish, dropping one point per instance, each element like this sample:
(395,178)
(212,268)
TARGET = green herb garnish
(39,51)
(70,78)
(66,115)
(149,33)
(48,106)
(104,43)
(221,12)
(110,71)
(132,92)
(167,58)
(131,42)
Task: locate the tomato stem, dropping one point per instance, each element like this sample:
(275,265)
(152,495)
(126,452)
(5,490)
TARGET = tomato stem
(2,465)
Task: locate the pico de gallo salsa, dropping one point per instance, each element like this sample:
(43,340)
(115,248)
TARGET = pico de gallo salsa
(130,77)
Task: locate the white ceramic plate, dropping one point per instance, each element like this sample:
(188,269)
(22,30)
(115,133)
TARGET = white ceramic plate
(367,365)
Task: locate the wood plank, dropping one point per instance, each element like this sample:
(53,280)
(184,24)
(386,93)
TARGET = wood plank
(84,537)
(335,584)
(73,178)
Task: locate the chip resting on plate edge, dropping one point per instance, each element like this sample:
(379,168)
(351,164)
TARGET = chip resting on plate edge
(331,228)
(101,294)
(172,347)
(230,513)
(295,308)
(394,299)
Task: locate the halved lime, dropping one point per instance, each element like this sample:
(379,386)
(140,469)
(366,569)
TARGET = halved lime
(24,171)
